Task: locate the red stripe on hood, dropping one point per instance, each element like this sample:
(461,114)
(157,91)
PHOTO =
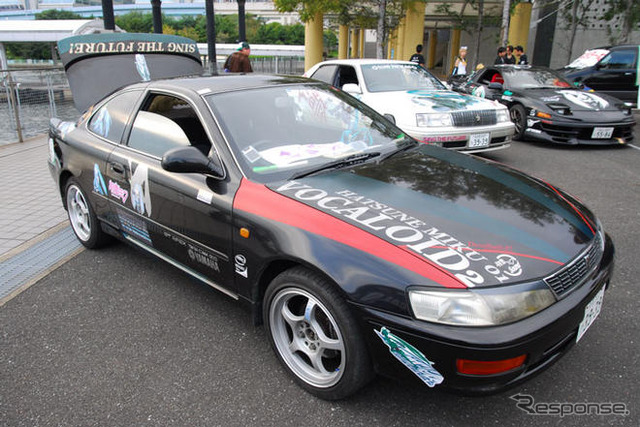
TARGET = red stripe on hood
(259,200)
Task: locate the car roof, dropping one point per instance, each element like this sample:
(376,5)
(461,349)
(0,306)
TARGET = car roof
(225,82)
(510,68)
(364,61)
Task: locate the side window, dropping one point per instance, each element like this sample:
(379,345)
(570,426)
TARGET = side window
(165,122)
(346,75)
(110,120)
(619,59)
(325,74)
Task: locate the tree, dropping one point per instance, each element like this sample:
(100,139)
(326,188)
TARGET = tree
(506,16)
(576,16)
(627,11)
(58,14)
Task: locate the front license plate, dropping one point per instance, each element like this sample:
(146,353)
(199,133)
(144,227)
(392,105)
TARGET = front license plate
(591,311)
(479,140)
(602,133)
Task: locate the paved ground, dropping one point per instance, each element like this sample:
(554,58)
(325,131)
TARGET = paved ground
(115,337)
(29,204)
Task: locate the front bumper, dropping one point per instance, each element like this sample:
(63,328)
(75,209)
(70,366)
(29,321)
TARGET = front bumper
(457,138)
(543,338)
(573,133)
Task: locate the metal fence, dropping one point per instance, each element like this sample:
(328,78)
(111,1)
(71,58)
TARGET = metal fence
(29,97)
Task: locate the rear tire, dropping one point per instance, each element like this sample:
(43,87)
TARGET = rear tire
(83,220)
(315,335)
(519,118)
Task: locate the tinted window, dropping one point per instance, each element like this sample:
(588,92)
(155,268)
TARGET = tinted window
(325,73)
(619,59)
(167,122)
(110,120)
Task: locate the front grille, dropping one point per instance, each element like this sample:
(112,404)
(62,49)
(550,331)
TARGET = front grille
(474,118)
(575,272)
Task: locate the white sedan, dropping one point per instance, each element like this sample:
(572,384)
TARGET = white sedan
(420,104)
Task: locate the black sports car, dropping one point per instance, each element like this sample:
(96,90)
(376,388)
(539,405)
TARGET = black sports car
(545,107)
(361,250)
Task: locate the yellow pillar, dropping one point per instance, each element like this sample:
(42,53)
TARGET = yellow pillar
(361,43)
(313,41)
(355,43)
(414,28)
(392,44)
(343,42)
(433,43)
(519,25)
(455,47)
(400,41)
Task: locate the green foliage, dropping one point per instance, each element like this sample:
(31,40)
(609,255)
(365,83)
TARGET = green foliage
(276,33)
(58,14)
(136,22)
(628,14)
(38,50)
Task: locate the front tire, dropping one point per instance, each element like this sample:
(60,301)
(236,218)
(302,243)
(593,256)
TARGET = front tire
(83,220)
(315,335)
(519,118)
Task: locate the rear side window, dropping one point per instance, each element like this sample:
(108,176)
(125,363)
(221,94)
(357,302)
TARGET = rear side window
(111,119)
(165,122)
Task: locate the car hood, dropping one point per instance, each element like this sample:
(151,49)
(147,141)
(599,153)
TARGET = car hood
(426,101)
(482,223)
(577,100)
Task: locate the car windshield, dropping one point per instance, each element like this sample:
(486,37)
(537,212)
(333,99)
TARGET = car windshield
(283,131)
(392,77)
(536,79)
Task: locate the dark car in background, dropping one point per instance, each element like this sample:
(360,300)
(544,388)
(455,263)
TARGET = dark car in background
(546,107)
(614,74)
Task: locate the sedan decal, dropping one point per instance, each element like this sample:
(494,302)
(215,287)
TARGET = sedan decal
(259,200)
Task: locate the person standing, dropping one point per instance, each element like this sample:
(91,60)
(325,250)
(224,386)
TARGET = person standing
(509,58)
(521,56)
(500,58)
(417,57)
(238,61)
(460,63)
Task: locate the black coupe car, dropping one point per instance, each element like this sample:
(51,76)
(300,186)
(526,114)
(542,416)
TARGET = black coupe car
(361,250)
(545,107)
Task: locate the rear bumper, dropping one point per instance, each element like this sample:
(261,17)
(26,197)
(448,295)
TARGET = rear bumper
(543,338)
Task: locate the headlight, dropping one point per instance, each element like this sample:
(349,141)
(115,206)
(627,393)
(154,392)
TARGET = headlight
(502,115)
(434,119)
(488,307)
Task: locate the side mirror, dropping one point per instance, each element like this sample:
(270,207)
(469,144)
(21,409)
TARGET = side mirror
(495,86)
(191,160)
(579,85)
(351,88)
(390,118)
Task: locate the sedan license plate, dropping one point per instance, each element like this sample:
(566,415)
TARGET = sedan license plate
(602,133)
(591,311)
(479,140)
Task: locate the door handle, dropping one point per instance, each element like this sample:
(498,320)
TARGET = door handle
(117,168)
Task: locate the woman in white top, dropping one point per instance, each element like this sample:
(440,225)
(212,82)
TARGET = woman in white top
(460,64)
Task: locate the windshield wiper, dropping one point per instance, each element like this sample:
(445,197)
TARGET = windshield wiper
(338,164)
